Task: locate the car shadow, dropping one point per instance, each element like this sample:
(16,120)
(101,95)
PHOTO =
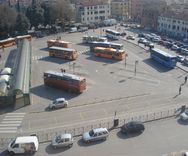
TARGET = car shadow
(83,144)
(52,93)
(181,122)
(50,150)
(54,60)
(156,65)
(127,136)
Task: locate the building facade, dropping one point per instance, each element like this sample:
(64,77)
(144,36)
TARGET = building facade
(92,11)
(120,9)
(173,26)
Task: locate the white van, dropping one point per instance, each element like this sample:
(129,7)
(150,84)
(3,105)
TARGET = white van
(24,144)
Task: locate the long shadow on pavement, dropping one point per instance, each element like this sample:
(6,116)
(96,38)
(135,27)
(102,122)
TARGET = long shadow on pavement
(52,93)
(101,59)
(156,65)
(50,150)
(82,143)
(54,60)
(127,136)
(46,49)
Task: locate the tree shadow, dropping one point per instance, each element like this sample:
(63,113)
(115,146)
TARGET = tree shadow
(83,144)
(181,122)
(156,65)
(52,93)
(54,60)
(128,135)
(50,150)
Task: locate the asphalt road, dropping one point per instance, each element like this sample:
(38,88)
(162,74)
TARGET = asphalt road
(160,138)
(110,86)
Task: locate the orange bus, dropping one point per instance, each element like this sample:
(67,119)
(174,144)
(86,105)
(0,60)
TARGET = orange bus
(109,53)
(7,42)
(29,37)
(64,53)
(58,43)
(65,81)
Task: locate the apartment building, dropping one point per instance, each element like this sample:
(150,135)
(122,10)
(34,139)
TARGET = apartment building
(120,9)
(175,25)
(92,11)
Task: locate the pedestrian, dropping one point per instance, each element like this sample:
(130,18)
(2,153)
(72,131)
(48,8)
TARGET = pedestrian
(180,90)
(185,80)
(62,70)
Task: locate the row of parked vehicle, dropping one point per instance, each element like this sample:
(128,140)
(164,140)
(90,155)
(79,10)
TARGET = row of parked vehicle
(30,144)
(180,48)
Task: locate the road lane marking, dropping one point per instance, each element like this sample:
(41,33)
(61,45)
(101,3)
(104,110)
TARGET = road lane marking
(7,122)
(7,131)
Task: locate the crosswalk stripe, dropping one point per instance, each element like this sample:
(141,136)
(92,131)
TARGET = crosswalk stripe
(12,119)
(9,128)
(15,114)
(8,131)
(6,122)
(9,125)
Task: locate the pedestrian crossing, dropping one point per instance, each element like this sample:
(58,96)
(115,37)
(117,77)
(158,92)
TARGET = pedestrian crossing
(11,123)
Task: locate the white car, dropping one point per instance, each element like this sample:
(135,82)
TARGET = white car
(184,115)
(58,103)
(130,37)
(62,140)
(95,134)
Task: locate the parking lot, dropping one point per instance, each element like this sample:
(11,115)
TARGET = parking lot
(111,86)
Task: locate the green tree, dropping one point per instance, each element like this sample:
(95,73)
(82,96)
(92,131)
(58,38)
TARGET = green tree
(7,21)
(35,14)
(22,24)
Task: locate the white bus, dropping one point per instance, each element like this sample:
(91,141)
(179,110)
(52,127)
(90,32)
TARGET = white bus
(112,34)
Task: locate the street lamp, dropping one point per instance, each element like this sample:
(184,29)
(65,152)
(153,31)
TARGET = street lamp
(136,62)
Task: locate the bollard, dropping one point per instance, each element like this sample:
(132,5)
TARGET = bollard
(116,122)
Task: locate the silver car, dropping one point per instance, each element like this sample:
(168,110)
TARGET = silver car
(62,140)
(95,134)
(184,115)
(58,103)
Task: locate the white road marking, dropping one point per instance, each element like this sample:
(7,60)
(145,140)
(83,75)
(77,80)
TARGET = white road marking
(11,122)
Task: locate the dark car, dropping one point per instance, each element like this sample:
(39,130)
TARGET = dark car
(133,127)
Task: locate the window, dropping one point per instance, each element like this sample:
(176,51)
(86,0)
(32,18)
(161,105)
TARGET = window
(15,146)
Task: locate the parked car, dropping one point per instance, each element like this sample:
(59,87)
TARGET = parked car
(95,134)
(130,37)
(156,39)
(168,44)
(149,44)
(184,115)
(62,140)
(174,47)
(142,40)
(184,51)
(123,33)
(180,58)
(58,103)
(185,62)
(141,35)
(133,127)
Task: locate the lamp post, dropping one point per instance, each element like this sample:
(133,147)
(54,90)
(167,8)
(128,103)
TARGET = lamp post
(136,62)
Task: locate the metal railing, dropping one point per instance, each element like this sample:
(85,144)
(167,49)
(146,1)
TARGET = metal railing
(78,130)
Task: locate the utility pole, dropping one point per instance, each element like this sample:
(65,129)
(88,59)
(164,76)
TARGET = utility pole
(136,62)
